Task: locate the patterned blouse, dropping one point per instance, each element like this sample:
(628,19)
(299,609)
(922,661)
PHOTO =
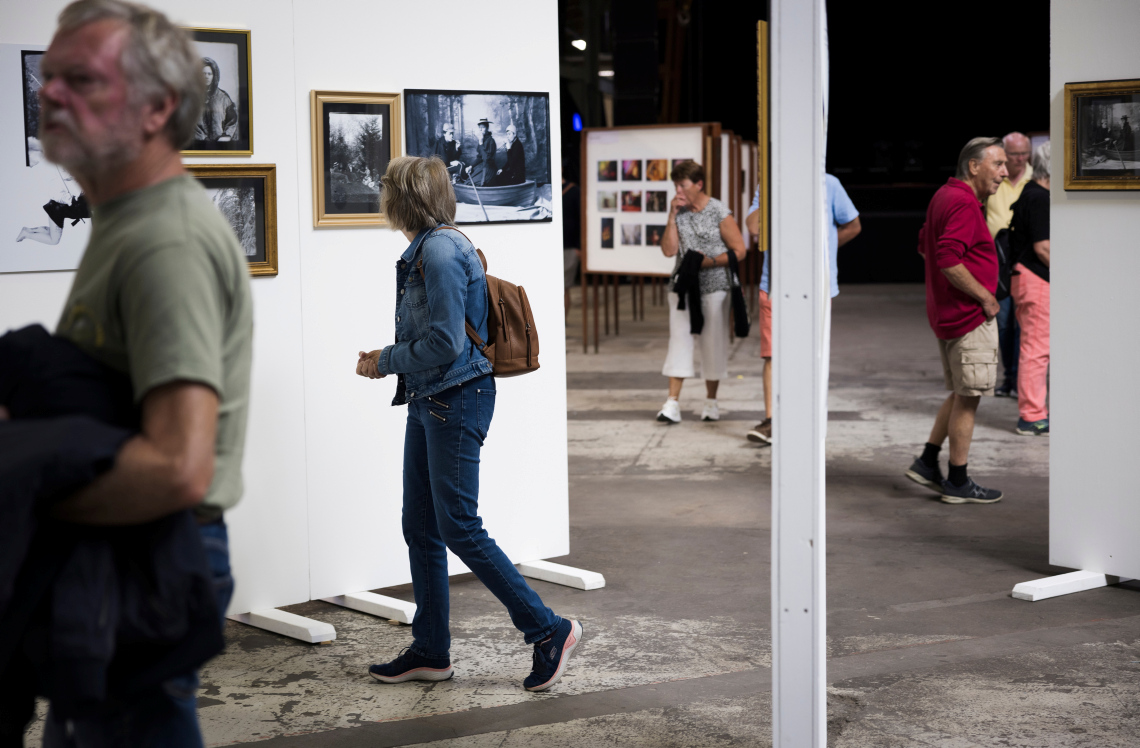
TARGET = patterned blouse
(699,231)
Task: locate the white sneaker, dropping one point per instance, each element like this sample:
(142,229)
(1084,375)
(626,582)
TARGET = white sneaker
(711,411)
(670,412)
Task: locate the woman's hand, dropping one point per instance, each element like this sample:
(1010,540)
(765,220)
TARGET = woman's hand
(679,201)
(366,364)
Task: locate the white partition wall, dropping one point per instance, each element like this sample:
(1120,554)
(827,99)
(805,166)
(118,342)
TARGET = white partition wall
(321,514)
(1093,512)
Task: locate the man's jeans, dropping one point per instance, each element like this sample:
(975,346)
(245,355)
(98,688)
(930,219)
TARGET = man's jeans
(167,718)
(1009,339)
(441,510)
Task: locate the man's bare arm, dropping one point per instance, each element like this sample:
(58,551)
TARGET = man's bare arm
(849,230)
(1042,250)
(752,222)
(961,279)
(166,468)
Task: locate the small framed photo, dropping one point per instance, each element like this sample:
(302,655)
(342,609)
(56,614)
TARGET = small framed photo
(657,170)
(631,201)
(631,234)
(608,201)
(653,234)
(631,170)
(354,137)
(247,196)
(607,171)
(226,125)
(1102,135)
(607,233)
(656,201)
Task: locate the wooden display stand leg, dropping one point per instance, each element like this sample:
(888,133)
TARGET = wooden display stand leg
(617,294)
(596,280)
(641,299)
(606,301)
(585,314)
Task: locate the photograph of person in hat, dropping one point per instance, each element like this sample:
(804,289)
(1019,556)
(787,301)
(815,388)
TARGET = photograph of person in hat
(483,170)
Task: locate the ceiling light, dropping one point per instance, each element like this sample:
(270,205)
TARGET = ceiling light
(579,44)
(605,74)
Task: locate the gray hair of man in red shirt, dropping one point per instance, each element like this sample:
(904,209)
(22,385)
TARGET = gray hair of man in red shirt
(981,164)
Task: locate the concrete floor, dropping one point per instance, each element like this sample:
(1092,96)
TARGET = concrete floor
(927,648)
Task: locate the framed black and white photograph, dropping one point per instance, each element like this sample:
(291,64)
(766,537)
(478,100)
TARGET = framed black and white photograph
(45,220)
(247,196)
(355,137)
(1102,135)
(226,125)
(496,145)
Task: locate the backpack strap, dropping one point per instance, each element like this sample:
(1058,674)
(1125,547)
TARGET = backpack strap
(471,333)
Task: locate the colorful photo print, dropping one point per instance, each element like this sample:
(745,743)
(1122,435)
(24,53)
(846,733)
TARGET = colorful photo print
(607,233)
(631,201)
(631,171)
(607,171)
(655,201)
(657,170)
(631,234)
(608,201)
(653,234)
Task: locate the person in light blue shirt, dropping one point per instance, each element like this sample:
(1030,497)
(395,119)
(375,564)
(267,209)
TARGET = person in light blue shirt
(843,226)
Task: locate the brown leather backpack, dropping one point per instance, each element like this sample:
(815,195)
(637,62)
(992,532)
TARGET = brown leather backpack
(512,340)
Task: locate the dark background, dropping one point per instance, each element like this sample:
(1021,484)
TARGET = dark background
(907,91)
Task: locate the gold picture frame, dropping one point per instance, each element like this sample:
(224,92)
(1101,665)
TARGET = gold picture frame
(231,90)
(348,157)
(1102,119)
(239,191)
(763,148)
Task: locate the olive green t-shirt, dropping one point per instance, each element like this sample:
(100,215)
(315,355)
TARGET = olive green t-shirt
(162,294)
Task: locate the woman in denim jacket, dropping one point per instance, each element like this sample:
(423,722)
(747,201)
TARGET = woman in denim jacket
(447,385)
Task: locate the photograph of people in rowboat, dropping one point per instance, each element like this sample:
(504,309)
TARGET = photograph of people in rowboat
(496,146)
(1107,135)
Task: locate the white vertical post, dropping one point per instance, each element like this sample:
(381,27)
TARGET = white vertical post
(799,623)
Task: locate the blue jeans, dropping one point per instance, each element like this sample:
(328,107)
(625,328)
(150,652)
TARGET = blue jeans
(441,503)
(168,717)
(1009,340)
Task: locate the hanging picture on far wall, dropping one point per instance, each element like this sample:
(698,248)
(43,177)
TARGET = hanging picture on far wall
(225,127)
(45,220)
(496,145)
(1102,135)
(247,196)
(354,137)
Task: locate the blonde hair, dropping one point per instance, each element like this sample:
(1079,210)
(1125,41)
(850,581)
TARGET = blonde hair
(416,194)
(158,58)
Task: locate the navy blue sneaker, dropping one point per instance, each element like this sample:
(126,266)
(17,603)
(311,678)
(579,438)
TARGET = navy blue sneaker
(1033,428)
(923,475)
(410,666)
(1007,389)
(969,493)
(552,654)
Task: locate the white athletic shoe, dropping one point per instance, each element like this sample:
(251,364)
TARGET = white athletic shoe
(670,412)
(711,411)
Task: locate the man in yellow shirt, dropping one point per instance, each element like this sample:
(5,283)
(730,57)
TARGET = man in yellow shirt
(999,211)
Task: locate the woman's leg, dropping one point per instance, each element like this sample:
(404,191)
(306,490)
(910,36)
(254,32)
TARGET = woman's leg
(679,359)
(427,554)
(675,384)
(455,424)
(1031,304)
(714,339)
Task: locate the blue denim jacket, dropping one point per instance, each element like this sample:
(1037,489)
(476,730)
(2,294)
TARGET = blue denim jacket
(432,351)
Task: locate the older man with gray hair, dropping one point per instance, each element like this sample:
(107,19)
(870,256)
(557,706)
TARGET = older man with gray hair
(961,278)
(999,211)
(1029,288)
(162,295)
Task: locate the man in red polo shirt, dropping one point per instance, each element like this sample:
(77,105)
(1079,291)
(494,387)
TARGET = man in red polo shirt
(961,277)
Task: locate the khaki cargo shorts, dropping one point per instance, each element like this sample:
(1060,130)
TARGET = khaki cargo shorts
(969,363)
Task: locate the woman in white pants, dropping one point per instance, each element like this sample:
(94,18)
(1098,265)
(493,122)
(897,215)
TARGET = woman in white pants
(699,223)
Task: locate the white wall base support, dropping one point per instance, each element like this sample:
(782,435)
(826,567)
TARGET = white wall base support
(1063,584)
(287,624)
(376,605)
(564,575)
